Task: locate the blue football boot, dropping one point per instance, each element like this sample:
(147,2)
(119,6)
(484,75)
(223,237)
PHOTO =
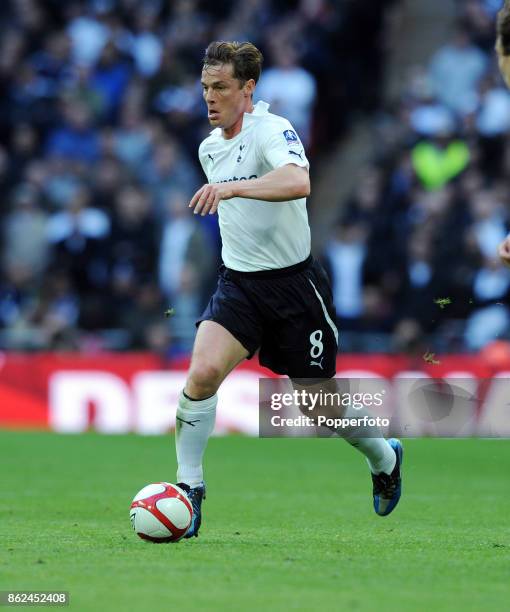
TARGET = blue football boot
(195,496)
(388,487)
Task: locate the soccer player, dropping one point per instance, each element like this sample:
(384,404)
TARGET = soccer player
(503,51)
(271,295)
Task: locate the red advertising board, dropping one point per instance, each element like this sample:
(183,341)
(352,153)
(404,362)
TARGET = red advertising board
(117,393)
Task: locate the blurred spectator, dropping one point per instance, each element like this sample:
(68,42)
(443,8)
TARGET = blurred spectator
(420,283)
(493,123)
(488,224)
(23,147)
(109,177)
(110,79)
(25,240)
(144,44)
(132,242)
(438,161)
(133,139)
(60,179)
(144,318)
(456,70)
(187,28)
(186,309)
(289,89)
(479,17)
(57,312)
(491,318)
(493,116)
(78,90)
(184,245)
(345,255)
(52,62)
(167,171)
(18,295)
(76,139)
(88,35)
(78,236)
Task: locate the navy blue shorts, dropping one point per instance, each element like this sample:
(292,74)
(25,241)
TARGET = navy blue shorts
(288,314)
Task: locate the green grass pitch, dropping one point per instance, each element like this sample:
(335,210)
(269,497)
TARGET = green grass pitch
(288,526)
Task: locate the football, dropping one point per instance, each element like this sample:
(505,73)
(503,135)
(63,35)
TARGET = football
(161,512)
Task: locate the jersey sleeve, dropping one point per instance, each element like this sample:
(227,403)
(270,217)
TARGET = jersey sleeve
(280,145)
(204,160)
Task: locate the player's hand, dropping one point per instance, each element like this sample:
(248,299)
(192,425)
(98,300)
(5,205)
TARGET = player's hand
(504,251)
(207,198)
(503,41)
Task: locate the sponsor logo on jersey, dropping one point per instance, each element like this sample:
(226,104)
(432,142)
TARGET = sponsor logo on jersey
(237,178)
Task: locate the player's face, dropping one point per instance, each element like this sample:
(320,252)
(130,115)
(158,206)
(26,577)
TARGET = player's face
(226,97)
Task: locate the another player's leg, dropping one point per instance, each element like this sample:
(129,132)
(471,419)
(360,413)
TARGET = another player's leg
(215,353)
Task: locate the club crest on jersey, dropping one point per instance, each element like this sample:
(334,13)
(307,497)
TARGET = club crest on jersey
(240,157)
(290,137)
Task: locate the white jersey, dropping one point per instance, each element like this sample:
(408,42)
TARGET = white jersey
(258,235)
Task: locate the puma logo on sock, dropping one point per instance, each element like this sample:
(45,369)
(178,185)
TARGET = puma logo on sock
(192,423)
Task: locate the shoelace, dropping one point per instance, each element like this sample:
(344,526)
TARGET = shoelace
(385,483)
(194,496)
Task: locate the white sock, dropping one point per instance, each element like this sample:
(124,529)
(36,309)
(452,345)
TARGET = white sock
(368,440)
(193,425)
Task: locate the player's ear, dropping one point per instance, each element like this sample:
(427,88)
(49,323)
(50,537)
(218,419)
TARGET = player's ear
(249,88)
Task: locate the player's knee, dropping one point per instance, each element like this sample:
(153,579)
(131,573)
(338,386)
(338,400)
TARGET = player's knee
(204,379)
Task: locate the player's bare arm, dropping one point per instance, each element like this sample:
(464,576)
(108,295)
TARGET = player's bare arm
(503,51)
(289,182)
(503,41)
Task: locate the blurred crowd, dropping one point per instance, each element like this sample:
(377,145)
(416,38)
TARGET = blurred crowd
(413,256)
(100,120)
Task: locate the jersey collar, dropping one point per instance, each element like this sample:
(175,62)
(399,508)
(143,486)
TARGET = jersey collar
(261,108)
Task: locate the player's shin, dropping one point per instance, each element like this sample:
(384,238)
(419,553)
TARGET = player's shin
(194,424)
(369,440)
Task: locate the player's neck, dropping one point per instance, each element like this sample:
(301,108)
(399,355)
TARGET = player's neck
(236,128)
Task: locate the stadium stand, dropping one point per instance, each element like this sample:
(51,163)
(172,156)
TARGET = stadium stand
(100,122)
(413,255)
